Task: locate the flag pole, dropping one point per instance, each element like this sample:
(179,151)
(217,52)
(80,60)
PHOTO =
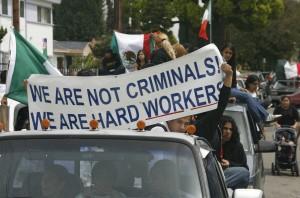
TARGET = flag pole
(210,20)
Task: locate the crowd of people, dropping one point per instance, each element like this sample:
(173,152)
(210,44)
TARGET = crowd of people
(223,141)
(220,131)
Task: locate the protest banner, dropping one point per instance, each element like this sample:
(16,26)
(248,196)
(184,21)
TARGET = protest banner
(185,86)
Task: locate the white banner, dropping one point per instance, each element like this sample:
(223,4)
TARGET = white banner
(185,86)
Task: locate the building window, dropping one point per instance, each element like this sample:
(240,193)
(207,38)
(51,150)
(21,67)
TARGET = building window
(44,15)
(22,9)
(5,7)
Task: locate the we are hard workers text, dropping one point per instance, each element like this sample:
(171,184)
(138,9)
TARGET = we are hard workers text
(148,98)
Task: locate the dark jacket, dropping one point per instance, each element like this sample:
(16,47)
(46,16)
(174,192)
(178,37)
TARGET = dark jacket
(289,116)
(159,56)
(207,123)
(111,66)
(233,151)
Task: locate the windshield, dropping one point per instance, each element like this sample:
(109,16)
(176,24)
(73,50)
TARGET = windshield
(242,125)
(97,168)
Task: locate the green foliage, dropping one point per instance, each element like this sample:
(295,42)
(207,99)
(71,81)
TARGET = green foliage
(3,31)
(188,11)
(78,20)
(247,15)
(88,62)
(158,14)
(110,17)
(148,15)
(278,40)
(101,45)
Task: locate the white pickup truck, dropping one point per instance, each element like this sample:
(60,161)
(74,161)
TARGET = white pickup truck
(107,163)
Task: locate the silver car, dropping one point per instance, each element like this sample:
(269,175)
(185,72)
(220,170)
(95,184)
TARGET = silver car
(250,136)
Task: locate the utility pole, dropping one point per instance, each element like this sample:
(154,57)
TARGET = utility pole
(210,21)
(118,14)
(16,15)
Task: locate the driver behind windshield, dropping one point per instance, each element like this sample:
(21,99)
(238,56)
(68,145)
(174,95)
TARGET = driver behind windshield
(54,182)
(164,181)
(104,175)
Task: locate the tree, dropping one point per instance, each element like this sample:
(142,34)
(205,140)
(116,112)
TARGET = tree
(78,20)
(278,40)
(110,16)
(190,16)
(162,15)
(149,15)
(245,15)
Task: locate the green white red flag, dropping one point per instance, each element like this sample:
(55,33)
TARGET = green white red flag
(128,45)
(25,60)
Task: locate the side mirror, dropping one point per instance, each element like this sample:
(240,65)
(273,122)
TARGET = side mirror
(264,146)
(248,193)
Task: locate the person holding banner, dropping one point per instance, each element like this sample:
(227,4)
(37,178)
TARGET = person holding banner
(258,112)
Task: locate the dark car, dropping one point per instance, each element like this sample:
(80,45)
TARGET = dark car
(283,87)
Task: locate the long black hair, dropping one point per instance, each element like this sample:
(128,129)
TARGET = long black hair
(235,137)
(232,61)
(138,61)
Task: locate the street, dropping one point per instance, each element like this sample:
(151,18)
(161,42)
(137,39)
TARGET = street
(284,185)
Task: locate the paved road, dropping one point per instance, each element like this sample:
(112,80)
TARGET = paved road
(285,185)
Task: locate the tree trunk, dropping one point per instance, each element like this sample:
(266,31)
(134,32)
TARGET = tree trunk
(218,30)
(118,15)
(110,16)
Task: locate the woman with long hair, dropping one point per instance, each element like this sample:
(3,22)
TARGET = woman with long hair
(228,53)
(258,112)
(232,156)
(164,51)
(141,60)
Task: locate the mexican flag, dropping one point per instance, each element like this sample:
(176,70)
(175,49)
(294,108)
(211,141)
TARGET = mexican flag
(203,27)
(128,45)
(25,60)
(291,70)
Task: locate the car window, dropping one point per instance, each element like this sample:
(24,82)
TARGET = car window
(131,168)
(243,127)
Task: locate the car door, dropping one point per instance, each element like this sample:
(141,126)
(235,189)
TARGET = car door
(258,159)
(249,137)
(214,173)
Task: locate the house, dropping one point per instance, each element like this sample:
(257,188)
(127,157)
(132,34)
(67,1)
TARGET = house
(36,24)
(66,51)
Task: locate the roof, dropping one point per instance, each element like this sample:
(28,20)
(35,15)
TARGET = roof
(54,1)
(101,133)
(74,47)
